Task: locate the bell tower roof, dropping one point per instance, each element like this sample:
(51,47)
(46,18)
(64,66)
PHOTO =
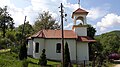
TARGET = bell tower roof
(79,11)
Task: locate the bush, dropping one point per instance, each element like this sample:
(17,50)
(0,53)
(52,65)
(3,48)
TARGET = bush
(11,35)
(67,56)
(4,42)
(43,60)
(23,52)
(15,49)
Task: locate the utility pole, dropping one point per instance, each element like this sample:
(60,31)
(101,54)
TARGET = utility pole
(62,35)
(23,30)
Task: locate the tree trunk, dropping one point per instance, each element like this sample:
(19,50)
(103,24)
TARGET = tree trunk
(4,30)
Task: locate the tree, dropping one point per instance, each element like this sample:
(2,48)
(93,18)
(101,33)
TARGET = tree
(110,42)
(11,35)
(67,56)
(18,37)
(106,44)
(45,21)
(6,21)
(43,60)
(22,35)
(91,31)
(23,52)
(28,29)
(97,54)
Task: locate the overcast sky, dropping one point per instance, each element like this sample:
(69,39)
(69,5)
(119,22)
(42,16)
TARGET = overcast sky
(104,15)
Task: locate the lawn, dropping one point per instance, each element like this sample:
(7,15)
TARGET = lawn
(34,63)
(10,59)
(4,50)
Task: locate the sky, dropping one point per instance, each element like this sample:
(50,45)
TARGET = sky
(104,15)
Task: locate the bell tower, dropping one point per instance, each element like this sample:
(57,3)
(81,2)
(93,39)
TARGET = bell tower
(81,28)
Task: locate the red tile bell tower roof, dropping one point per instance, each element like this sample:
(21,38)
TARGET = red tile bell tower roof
(80,11)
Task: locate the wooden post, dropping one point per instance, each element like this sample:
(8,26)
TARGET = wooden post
(62,35)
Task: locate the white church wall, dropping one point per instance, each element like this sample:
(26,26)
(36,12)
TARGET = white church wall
(30,47)
(41,47)
(82,31)
(82,51)
(50,46)
(72,48)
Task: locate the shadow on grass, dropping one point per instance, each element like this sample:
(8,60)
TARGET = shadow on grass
(32,62)
(42,66)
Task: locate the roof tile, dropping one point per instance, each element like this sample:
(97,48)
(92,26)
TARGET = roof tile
(85,39)
(55,34)
(79,10)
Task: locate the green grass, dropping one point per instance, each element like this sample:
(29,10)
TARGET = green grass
(10,63)
(4,50)
(10,59)
(34,62)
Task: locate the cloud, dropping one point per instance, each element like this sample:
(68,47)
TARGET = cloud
(35,7)
(5,3)
(96,13)
(109,22)
(38,6)
(68,26)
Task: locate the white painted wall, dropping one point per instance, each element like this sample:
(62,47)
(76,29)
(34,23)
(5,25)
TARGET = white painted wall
(82,51)
(81,31)
(30,47)
(41,47)
(50,46)
(72,48)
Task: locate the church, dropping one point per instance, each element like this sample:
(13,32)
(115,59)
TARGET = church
(50,40)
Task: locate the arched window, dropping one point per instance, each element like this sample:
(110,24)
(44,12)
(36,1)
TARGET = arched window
(37,47)
(58,48)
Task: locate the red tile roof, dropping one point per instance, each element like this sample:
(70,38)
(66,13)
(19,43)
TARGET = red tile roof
(55,34)
(85,39)
(79,10)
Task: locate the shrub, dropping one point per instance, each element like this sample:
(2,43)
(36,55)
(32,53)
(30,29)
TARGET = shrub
(23,52)
(4,42)
(43,60)
(67,56)
(15,49)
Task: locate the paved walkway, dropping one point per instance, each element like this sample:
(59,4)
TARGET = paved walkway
(117,61)
(118,65)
